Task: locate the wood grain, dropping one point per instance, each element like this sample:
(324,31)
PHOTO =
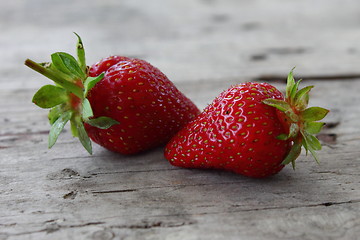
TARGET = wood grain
(204,46)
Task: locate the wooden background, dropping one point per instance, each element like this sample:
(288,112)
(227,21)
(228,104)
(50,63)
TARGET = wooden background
(203,46)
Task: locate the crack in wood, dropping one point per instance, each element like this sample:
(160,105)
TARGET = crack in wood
(71,195)
(165,186)
(277,51)
(82,225)
(282,78)
(136,171)
(330,125)
(115,191)
(155,224)
(328,204)
(7,225)
(55,227)
(324,204)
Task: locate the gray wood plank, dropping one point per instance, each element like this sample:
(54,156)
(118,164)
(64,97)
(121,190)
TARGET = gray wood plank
(204,46)
(63,190)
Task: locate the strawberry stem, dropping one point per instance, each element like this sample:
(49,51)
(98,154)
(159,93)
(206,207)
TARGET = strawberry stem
(54,75)
(67,99)
(303,121)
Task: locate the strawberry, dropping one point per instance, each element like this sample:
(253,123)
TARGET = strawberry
(250,129)
(123,104)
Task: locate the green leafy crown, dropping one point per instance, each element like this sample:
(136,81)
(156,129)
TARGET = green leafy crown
(67,98)
(302,121)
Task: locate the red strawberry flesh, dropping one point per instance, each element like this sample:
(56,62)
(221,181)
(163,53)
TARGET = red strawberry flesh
(237,132)
(148,107)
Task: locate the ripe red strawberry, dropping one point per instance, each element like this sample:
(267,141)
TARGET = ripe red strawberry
(148,107)
(250,129)
(123,104)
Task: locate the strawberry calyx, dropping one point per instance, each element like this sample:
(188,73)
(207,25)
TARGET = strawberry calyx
(67,98)
(300,121)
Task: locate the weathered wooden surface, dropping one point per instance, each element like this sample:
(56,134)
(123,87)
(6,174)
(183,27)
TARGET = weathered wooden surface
(204,46)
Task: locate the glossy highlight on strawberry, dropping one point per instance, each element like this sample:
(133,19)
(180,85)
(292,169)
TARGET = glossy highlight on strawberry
(250,129)
(148,107)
